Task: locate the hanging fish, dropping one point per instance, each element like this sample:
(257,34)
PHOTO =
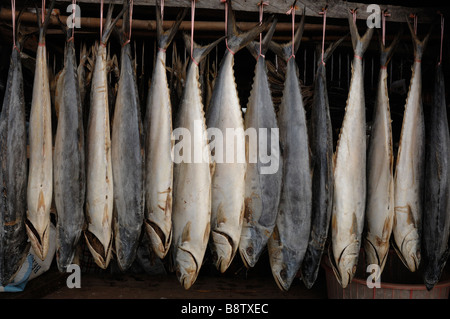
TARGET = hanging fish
(228,182)
(40,175)
(349,199)
(289,240)
(99,178)
(409,169)
(127,158)
(192,180)
(68,162)
(380,178)
(14,245)
(322,172)
(436,221)
(158,147)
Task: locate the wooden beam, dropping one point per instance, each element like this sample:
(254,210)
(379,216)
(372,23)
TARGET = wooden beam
(335,8)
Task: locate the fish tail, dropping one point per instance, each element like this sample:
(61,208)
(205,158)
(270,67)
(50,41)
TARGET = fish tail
(110,24)
(43,25)
(360,44)
(387,52)
(254,47)
(285,50)
(329,51)
(419,46)
(200,52)
(164,38)
(236,39)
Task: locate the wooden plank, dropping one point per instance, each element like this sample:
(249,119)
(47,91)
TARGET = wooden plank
(336,8)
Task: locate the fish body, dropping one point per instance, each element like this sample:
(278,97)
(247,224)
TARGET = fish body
(321,144)
(409,169)
(436,221)
(380,177)
(99,176)
(158,148)
(191,216)
(14,244)
(68,163)
(127,163)
(349,195)
(228,182)
(40,175)
(288,242)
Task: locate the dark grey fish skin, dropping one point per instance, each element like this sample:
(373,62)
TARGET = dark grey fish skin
(322,173)
(289,240)
(127,163)
(69,163)
(436,220)
(14,244)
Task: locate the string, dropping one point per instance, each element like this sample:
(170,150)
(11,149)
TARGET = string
(383,19)
(101,21)
(73,22)
(162,11)
(131,22)
(261,9)
(13,13)
(292,12)
(414,16)
(442,38)
(192,31)
(226,25)
(353,11)
(43,11)
(324,12)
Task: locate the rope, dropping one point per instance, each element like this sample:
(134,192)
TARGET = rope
(162,11)
(101,22)
(442,38)
(261,9)
(324,13)
(414,16)
(73,22)
(13,13)
(192,31)
(226,25)
(383,19)
(292,12)
(43,11)
(131,22)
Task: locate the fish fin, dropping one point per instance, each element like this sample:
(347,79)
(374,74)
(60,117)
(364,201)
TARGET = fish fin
(254,46)
(200,52)
(419,46)
(329,51)
(359,44)
(164,38)
(236,39)
(387,52)
(285,50)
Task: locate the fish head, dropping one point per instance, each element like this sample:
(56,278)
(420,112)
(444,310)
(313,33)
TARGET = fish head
(250,247)
(66,244)
(345,265)
(39,240)
(410,250)
(222,250)
(186,267)
(284,264)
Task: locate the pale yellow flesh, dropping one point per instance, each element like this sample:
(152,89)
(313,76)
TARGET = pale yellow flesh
(40,176)
(159,164)
(99,182)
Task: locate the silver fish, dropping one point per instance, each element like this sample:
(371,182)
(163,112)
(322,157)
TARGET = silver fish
(127,159)
(99,178)
(289,240)
(68,162)
(349,199)
(158,147)
(40,175)
(14,244)
(409,169)
(228,182)
(191,215)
